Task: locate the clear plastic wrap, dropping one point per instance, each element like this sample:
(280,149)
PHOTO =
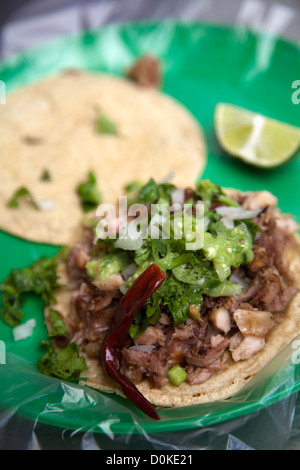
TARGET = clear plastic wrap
(39,412)
(259,417)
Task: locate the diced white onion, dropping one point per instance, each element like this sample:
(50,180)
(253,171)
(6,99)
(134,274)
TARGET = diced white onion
(177,196)
(237,213)
(129,239)
(46,205)
(229,223)
(200,282)
(128,243)
(24,330)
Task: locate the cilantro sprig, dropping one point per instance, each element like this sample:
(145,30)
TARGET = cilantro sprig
(89,193)
(40,278)
(66,364)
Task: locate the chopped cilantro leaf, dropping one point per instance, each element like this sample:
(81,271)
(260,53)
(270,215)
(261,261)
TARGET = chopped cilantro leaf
(105,125)
(210,192)
(138,325)
(45,176)
(178,296)
(152,192)
(149,192)
(40,278)
(133,187)
(89,193)
(58,324)
(20,194)
(65,364)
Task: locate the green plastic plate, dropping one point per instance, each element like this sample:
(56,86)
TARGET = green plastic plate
(203,64)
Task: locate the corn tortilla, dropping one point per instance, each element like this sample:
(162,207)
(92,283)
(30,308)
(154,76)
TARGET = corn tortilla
(51,125)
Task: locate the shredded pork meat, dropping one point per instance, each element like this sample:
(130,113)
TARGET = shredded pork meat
(146,72)
(227,328)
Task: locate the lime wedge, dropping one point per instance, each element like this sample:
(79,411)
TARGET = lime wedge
(254,138)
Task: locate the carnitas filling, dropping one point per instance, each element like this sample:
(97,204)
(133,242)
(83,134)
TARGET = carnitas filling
(215,308)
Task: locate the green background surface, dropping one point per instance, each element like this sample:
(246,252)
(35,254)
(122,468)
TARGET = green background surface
(202,65)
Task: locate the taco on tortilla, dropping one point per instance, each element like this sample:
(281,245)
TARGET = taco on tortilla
(172,326)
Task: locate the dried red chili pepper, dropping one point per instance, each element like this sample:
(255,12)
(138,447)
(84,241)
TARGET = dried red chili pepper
(147,283)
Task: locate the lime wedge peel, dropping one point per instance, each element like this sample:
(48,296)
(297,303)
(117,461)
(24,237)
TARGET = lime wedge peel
(254,138)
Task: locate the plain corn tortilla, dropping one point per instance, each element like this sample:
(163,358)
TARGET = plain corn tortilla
(51,125)
(222,384)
